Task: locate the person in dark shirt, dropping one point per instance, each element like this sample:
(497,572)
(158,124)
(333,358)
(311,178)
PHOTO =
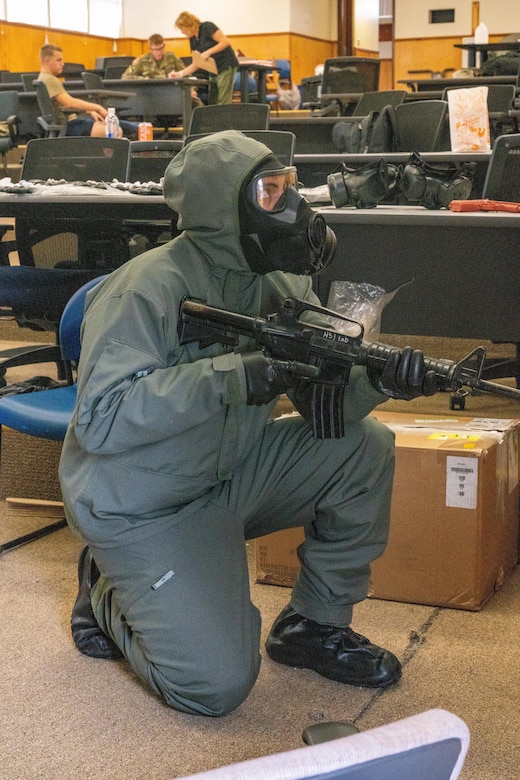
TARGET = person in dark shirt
(211,43)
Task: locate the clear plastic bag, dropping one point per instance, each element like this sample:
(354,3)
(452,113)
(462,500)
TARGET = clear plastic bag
(361,302)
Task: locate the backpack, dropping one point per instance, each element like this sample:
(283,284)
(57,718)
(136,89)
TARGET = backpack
(506,64)
(376,132)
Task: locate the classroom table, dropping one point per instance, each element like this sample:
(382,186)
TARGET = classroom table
(158,97)
(314,168)
(485,48)
(261,68)
(461,268)
(313,133)
(418,85)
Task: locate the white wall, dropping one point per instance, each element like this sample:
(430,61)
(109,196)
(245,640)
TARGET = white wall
(315,20)
(411,18)
(236,17)
(366,25)
(500,16)
(141,18)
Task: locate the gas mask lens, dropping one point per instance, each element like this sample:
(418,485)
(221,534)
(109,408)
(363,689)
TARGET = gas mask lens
(269,188)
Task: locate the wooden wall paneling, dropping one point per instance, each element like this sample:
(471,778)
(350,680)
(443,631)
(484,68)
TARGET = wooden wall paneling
(432,53)
(306,53)
(424,54)
(20,46)
(386,75)
(261,47)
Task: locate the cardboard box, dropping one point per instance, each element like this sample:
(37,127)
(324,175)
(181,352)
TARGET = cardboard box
(454,520)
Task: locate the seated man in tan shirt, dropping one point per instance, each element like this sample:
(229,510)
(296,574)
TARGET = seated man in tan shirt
(93,124)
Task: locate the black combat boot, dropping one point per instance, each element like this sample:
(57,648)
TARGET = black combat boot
(337,653)
(86,633)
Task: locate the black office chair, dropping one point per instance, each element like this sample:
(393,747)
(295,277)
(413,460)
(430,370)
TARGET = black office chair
(376,101)
(11,77)
(58,256)
(232,116)
(8,118)
(502,183)
(76,158)
(47,242)
(28,80)
(114,66)
(92,80)
(115,71)
(148,162)
(149,159)
(280,142)
(423,126)
(343,76)
(72,70)
(50,123)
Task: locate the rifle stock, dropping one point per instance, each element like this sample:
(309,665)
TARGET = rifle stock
(285,336)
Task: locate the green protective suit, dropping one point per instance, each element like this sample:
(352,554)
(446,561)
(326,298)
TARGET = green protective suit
(166,470)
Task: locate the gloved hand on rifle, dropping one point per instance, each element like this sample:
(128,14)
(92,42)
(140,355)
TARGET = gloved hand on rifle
(404,376)
(267,377)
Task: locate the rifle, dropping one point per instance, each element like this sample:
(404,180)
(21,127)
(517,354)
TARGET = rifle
(284,336)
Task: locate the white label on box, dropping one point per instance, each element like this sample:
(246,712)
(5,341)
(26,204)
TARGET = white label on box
(461,482)
(489,424)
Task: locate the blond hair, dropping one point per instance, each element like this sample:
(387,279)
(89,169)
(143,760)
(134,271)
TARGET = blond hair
(185,19)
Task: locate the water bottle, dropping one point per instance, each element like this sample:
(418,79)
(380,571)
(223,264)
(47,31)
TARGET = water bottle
(111,124)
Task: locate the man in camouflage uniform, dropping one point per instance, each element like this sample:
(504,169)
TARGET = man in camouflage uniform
(157,64)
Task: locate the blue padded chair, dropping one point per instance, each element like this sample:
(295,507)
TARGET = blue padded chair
(46,414)
(251,84)
(283,70)
(431,745)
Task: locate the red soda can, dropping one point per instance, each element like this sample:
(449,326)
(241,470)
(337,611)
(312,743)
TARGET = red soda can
(145,131)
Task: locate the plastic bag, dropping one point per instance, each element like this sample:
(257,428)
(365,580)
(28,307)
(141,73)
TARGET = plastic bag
(361,302)
(469,120)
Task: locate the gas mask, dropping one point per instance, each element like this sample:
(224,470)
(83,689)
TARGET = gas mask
(364,187)
(279,230)
(434,187)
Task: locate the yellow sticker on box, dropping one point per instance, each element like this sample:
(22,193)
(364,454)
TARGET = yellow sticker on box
(442,435)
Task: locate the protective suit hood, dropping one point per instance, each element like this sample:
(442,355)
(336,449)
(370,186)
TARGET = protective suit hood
(241,208)
(202,184)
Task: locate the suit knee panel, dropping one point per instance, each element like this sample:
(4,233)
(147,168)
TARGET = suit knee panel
(214,697)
